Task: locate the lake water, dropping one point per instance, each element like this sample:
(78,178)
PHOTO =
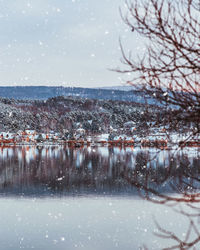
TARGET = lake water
(56,197)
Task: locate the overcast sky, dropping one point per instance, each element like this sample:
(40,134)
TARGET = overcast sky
(61,42)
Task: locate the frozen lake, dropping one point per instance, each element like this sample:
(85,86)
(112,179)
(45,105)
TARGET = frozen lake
(92,198)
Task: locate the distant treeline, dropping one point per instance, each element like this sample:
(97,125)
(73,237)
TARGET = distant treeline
(45,92)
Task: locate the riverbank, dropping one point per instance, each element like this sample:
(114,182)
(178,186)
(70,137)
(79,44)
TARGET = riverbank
(80,144)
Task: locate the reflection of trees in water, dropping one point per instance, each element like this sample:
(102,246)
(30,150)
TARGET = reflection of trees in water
(63,168)
(165,177)
(175,174)
(174,183)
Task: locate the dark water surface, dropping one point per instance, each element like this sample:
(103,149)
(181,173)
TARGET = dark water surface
(55,197)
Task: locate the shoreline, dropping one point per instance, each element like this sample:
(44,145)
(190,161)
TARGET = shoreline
(104,144)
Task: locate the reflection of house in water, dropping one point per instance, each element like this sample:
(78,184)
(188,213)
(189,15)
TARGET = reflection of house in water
(52,169)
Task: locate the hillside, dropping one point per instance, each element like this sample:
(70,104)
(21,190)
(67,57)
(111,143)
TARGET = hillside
(63,112)
(45,92)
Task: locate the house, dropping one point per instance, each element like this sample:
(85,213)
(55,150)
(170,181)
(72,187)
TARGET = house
(30,132)
(129,128)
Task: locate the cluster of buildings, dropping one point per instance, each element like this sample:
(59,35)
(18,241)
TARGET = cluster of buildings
(79,136)
(78,133)
(27,136)
(75,138)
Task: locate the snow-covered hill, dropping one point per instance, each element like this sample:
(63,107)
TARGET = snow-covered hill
(45,92)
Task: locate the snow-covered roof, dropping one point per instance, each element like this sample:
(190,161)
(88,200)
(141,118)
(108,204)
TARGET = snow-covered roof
(129,124)
(29,131)
(123,137)
(7,134)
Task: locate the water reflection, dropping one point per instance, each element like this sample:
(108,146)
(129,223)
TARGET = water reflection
(58,169)
(117,222)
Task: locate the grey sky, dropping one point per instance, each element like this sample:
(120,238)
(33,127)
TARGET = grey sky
(61,42)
